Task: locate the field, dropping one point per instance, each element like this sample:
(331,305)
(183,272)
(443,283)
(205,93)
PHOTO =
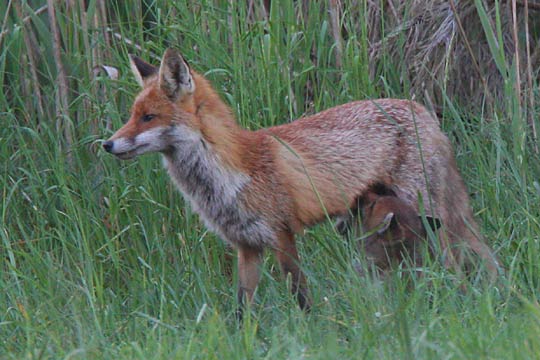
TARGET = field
(101,259)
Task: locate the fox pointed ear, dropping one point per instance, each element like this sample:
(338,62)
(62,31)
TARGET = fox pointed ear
(141,69)
(174,75)
(388,221)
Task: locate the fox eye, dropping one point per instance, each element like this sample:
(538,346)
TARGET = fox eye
(147,117)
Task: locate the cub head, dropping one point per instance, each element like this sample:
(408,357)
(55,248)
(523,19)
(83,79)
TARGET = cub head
(394,221)
(162,113)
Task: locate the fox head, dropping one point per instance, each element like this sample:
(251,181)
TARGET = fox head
(394,221)
(164,107)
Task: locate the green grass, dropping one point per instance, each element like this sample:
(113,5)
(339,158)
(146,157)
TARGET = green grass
(101,259)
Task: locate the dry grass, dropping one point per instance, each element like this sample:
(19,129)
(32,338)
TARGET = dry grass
(440,46)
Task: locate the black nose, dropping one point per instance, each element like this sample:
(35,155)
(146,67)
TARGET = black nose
(108,145)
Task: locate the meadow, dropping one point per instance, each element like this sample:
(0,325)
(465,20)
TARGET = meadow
(102,259)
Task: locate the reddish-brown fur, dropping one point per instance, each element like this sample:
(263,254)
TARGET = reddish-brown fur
(287,177)
(395,231)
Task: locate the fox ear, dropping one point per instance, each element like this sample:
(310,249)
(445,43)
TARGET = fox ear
(388,221)
(174,75)
(141,69)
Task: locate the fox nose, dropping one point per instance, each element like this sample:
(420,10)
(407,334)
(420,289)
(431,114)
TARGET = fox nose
(108,145)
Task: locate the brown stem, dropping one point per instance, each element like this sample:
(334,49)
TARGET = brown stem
(6,17)
(469,49)
(106,37)
(132,43)
(32,59)
(25,20)
(335,11)
(517,84)
(62,101)
(530,111)
(526,4)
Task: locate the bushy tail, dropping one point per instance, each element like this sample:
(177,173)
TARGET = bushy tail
(462,228)
(488,258)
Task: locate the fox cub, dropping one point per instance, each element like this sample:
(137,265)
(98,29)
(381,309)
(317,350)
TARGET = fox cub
(393,230)
(256,189)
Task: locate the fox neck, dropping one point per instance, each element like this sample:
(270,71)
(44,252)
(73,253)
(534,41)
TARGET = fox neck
(214,190)
(218,126)
(199,171)
(207,164)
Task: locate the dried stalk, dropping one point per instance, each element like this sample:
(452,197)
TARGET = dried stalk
(5,22)
(90,60)
(265,10)
(251,11)
(105,93)
(106,37)
(86,38)
(526,4)
(517,83)
(62,101)
(469,49)
(335,12)
(26,19)
(32,59)
(230,21)
(530,111)
(96,51)
(132,43)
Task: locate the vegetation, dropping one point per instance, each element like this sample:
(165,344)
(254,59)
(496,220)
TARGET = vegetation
(101,259)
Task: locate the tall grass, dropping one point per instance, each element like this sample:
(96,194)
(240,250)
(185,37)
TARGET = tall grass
(102,259)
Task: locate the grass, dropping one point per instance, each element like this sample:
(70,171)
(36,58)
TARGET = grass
(101,259)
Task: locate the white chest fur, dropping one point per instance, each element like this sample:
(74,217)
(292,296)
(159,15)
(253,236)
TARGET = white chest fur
(214,191)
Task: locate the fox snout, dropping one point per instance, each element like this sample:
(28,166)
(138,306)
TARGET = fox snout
(126,148)
(124,145)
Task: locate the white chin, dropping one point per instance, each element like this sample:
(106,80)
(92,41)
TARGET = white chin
(126,155)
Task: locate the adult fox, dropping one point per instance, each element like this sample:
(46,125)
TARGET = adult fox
(256,189)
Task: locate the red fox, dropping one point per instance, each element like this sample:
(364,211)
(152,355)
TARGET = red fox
(256,189)
(395,232)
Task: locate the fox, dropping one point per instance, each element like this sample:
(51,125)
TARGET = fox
(257,189)
(393,231)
